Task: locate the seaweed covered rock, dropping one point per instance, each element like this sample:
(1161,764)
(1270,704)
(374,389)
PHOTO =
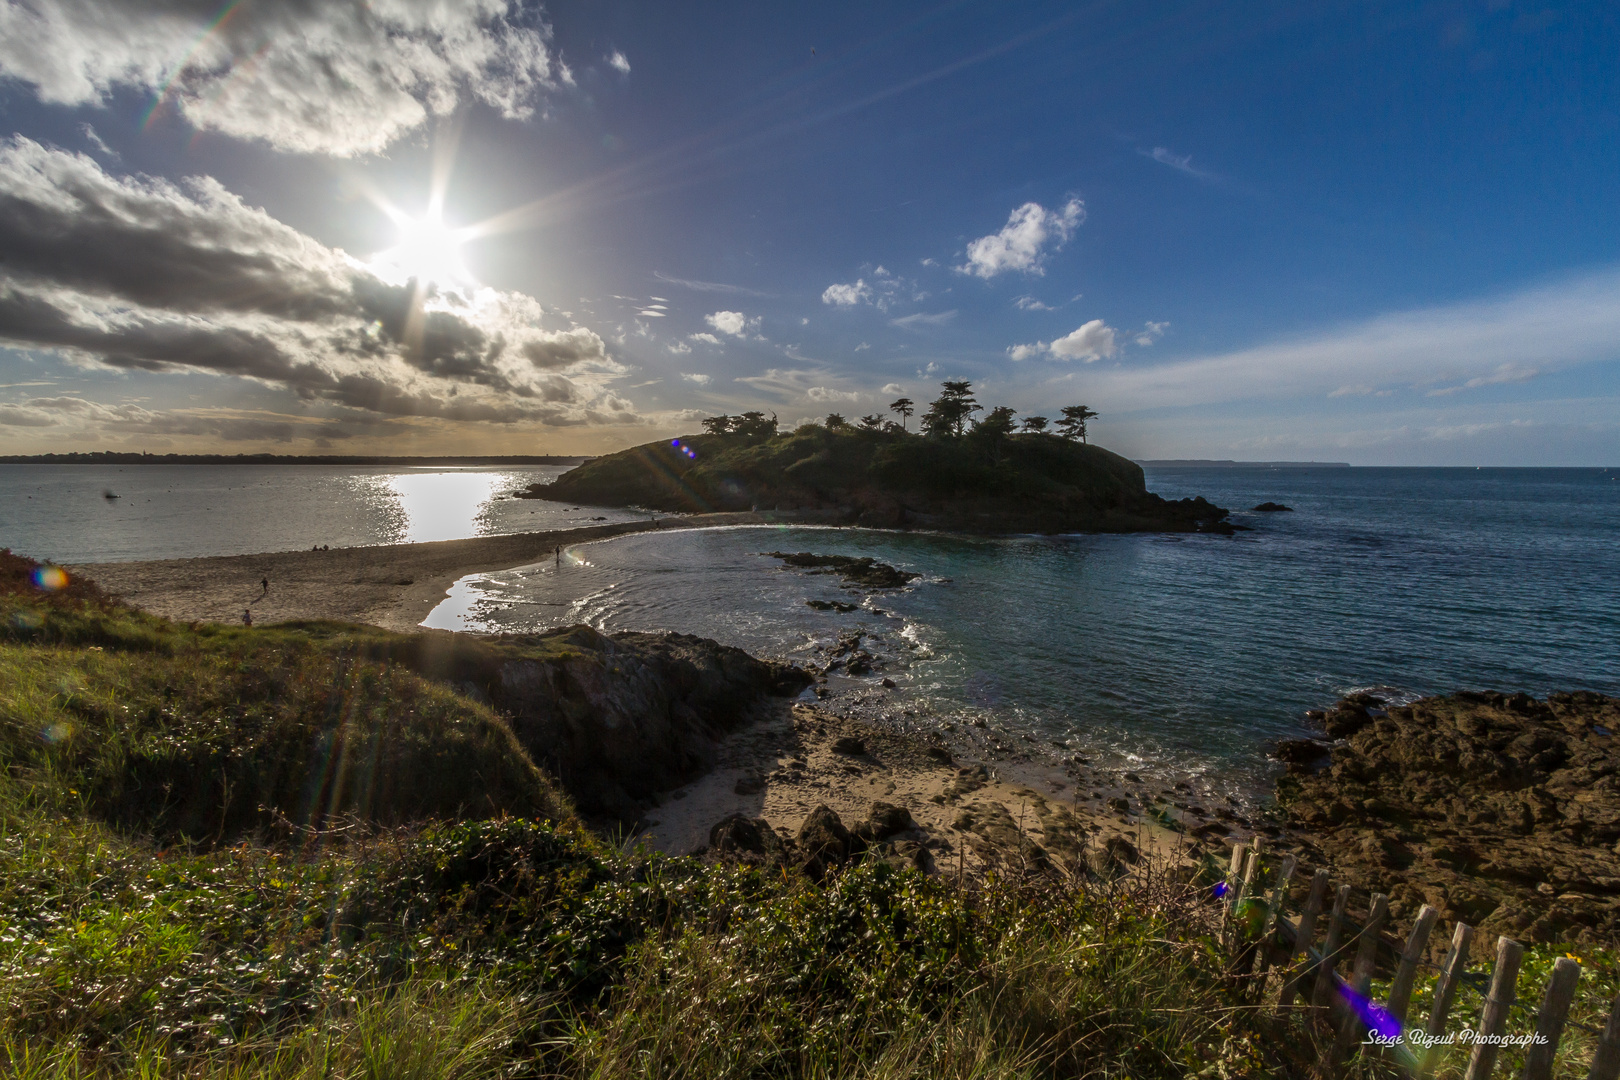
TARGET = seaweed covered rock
(1501,810)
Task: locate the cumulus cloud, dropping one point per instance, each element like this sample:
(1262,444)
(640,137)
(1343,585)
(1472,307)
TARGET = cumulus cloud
(1092,341)
(338,77)
(679,348)
(140,273)
(1029,303)
(618,62)
(706,338)
(893,388)
(734,323)
(1031,232)
(1150,332)
(847,295)
(696,377)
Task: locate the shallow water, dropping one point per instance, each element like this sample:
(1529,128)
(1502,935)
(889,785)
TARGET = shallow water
(1172,653)
(61,512)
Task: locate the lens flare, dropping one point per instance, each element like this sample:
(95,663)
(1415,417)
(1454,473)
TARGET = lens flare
(50,578)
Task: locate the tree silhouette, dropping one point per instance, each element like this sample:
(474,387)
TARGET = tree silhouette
(948,413)
(905,407)
(1073,424)
(1035,423)
(872,421)
(836,420)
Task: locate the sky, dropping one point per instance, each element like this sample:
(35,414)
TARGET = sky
(1381,233)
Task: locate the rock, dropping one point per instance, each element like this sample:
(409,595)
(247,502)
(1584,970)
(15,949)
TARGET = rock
(1118,805)
(848,744)
(745,839)
(749,785)
(939,753)
(1498,804)
(1299,754)
(888,684)
(883,821)
(824,843)
(1273,508)
(865,571)
(1122,850)
(831,605)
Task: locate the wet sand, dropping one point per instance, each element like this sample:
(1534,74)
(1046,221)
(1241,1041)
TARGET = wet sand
(393,586)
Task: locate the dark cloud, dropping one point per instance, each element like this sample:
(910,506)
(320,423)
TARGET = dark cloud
(139,273)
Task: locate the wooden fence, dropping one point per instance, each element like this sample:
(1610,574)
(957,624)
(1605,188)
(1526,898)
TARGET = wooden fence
(1259,936)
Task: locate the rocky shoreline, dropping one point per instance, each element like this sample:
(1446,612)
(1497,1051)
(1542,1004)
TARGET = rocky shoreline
(1500,810)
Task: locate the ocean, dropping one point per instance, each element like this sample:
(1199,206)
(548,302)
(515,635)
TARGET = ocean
(1176,654)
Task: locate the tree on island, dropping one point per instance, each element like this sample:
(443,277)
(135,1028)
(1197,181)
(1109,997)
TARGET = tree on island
(948,414)
(1073,424)
(905,407)
(750,425)
(1036,424)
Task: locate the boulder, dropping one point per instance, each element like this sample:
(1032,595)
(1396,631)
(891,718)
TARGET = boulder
(883,821)
(824,843)
(745,839)
(849,745)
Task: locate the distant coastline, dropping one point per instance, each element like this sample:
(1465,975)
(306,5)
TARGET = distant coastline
(110,458)
(1213,463)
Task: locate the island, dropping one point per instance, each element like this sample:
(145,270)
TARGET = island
(989,477)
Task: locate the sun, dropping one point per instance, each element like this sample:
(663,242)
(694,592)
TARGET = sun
(427,250)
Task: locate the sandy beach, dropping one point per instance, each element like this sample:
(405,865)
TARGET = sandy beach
(393,586)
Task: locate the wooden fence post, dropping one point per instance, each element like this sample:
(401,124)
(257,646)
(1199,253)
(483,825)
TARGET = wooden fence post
(1303,934)
(1493,1019)
(1400,990)
(1445,992)
(1279,893)
(1538,1057)
(1323,993)
(1361,974)
(1234,881)
(1606,1061)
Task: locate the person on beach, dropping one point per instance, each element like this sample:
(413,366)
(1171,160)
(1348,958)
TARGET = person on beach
(266,583)
(247,617)
(558,553)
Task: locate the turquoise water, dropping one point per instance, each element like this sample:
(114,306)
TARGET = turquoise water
(1175,653)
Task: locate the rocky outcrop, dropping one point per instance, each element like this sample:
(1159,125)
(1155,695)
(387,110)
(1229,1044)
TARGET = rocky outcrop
(866,571)
(1273,508)
(613,718)
(1501,810)
(823,843)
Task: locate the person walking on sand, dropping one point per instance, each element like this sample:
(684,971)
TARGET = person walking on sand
(266,583)
(558,553)
(247,617)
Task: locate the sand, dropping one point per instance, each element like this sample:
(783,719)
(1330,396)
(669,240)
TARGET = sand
(393,586)
(786,761)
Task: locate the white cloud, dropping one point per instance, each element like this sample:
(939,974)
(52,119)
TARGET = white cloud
(734,323)
(706,338)
(893,388)
(1150,332)
(1501,339)
(96,142)
(909,322)
(696,377)
(652,313)
(618,62)
(679,348)
(847,295)
(1022,244)
(1179,162)
(862,347)
(1090,342)
(340,77)
(827,393)
(1029,303)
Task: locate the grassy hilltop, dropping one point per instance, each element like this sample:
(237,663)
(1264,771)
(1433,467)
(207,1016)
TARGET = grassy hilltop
(984,479)
(316,851)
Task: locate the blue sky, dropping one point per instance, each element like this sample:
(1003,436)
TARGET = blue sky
(1384,234)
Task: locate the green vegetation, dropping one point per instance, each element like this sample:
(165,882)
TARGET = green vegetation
(986,477)
(404,895)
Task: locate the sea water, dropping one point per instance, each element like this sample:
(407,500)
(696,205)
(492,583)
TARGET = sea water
(116,513)
(1169,653)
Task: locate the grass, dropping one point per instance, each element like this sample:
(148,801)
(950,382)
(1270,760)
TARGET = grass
(378,884)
